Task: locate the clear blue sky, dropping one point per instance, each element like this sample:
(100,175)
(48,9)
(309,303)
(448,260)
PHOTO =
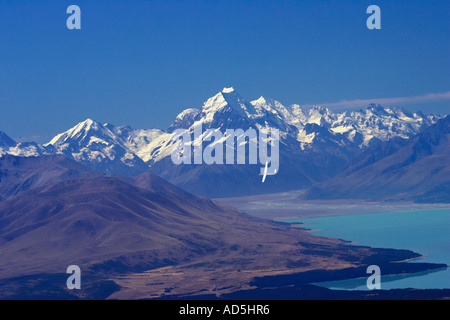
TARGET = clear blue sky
(142,62)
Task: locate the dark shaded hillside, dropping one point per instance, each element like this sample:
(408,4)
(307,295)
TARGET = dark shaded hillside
(109,228)
(19,174)
(143,237)
(93,220)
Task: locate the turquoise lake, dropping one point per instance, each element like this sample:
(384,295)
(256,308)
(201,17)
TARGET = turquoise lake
(426,232)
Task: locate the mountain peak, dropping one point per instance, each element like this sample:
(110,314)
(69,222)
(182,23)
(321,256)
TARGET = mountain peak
(260,100)
(228,90)
(85,126)
(376,109)
(6,141)
(80,130)
(227,99)
(88,123)
(190,112)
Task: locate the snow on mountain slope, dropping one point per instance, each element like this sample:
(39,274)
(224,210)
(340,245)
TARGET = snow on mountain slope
(92,143)
(228,100)
(161,146)
(359,126)
(315,143)
(27,149)
(381,123)
(136,141)
(412,169)
(185,119)
(22,149)
(5,143)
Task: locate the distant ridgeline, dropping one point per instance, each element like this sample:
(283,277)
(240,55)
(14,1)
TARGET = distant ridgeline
(316,147)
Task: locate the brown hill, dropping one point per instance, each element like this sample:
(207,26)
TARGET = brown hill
(19,174)
(154,241)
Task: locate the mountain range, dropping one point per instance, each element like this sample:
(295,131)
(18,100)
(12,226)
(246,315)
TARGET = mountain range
(414,169)
(97,196)
(315,143)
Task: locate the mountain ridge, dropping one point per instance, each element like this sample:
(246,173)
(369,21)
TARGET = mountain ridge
(315,143)
(414,169)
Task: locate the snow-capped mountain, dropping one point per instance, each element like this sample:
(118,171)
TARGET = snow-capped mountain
(360,127)
(21,149)
(98,146)
(413,169)
(380,123)
(315,143)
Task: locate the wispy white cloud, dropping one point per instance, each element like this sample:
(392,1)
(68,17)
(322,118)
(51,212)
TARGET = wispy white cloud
(396,101)
(28,138)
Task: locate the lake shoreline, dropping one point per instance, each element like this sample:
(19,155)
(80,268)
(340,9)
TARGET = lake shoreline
(422,231)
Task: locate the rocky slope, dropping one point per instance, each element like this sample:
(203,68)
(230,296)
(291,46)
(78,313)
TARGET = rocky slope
(414,169)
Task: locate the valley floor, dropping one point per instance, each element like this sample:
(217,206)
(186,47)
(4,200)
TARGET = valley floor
(289,205)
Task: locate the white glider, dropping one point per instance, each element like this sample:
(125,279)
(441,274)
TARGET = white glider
(267,173)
